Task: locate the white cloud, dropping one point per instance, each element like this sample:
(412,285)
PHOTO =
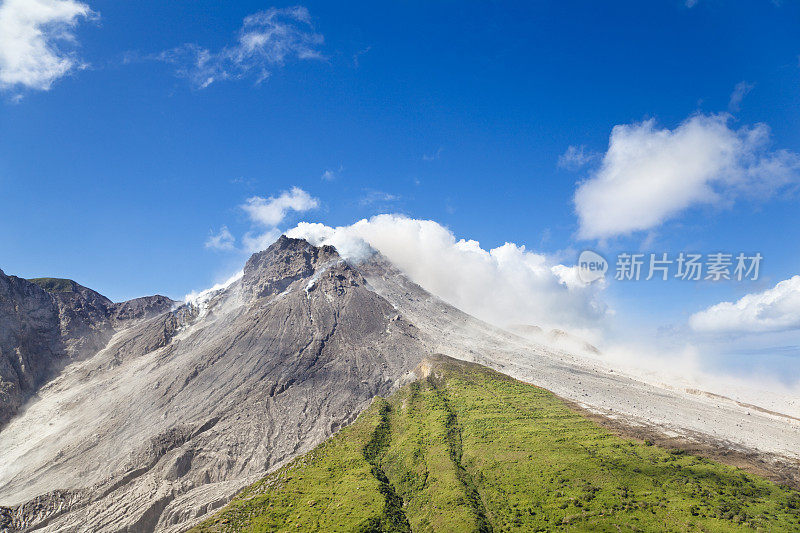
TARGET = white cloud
(270,212)
(504,285)
(331,174)
(776,309)
(32,38)
(265,215)
(266,40)
(649,175)
(576,157)
(357,55)
(224,240)
(738,94)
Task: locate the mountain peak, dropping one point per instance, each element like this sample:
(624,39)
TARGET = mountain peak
(62,287)
(284,242)
(271,271)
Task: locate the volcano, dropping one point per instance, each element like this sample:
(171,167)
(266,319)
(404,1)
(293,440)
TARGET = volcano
(150,415)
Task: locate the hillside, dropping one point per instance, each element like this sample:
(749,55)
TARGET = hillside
(464,448)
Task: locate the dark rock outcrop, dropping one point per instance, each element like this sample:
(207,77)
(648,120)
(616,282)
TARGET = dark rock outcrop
(30,340)
(83,315)
(271,271)
(140,309)
(48,322)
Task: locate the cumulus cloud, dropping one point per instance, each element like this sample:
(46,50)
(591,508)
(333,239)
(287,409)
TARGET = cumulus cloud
(271,211)
(224,240)
(264,215)
(266,40)
(649,175)
(576,157)
(776,309)
(37,41)
(267,213)
(504,285)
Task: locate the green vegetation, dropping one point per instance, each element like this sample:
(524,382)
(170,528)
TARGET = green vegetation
(469,449)
(392,518)
(55,284)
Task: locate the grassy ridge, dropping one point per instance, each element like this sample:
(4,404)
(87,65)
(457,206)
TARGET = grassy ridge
(468,449)
(55,284)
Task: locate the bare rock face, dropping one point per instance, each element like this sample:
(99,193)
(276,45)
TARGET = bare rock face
(179,412)
(142,308)
(83,315)
(47,322)
(30,340)
(271,271)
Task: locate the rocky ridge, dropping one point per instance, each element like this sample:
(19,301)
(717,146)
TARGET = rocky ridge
(46,323)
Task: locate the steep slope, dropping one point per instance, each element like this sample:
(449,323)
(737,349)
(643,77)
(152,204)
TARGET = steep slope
(641,402)
(180,411)
(47,322)
(84,316)
(464,448)
(30,340)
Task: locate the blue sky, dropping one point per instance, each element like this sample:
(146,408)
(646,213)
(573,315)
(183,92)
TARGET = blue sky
(117,171)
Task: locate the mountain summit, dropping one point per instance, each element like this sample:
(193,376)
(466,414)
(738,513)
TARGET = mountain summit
(270,272)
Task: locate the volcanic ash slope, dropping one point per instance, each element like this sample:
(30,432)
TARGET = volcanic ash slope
(179,412)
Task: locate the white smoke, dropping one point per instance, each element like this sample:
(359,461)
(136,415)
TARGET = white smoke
(689,366)
(503,285)
(199,298)
(510,285)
